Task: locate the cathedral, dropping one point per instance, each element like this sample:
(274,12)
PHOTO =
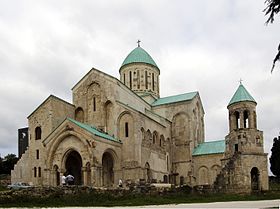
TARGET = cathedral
(122,129)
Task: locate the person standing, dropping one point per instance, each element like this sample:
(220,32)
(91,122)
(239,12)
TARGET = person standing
(70,179)
(63,180)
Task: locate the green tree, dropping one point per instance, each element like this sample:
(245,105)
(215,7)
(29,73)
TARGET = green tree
(272,8)
(7,163)
(275,157)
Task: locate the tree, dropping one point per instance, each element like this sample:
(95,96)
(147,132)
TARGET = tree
(275,157)
(7,163)
(272,8)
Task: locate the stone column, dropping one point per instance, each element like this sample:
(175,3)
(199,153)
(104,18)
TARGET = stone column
(241,116)
(84,176)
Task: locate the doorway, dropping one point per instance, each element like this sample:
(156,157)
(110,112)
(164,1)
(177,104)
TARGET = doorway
(255,179)
(108,169)
(73,165)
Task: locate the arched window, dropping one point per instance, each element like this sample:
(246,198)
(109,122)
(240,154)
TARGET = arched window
(38,133)
(146,79)
(35,172)
(155,136)
(126,129)
(79,114)
(246,119)
(153,81)
(161,141)
(130,79)
(94,104)
(237,120)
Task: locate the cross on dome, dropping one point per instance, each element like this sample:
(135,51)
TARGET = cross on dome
(138,42)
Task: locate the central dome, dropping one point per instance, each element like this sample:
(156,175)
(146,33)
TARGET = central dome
(139,55)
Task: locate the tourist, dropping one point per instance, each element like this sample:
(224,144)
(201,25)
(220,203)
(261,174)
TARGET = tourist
(120,183)
(63,180)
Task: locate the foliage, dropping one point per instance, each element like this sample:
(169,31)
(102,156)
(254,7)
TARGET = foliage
(275,157)
(272,8)
(7,163)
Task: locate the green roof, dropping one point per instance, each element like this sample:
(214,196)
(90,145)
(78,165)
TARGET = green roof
(94,130)
(139,55)
(207,148)
(241,95)
(175,98)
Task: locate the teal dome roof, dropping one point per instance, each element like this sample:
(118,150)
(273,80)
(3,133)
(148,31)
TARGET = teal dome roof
(139,55)
(241,95)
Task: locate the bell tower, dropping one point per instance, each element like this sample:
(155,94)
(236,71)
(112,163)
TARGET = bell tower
(244,167)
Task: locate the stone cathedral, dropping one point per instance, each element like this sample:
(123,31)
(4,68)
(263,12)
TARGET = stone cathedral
(122,129)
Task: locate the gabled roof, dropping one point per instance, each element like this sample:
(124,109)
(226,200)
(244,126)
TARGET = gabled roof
(212,147)
(94,131)
(175,98)
(139,55)
(241,95)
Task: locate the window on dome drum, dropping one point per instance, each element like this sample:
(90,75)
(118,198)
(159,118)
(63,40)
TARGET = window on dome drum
(146,79)
(126,129)
(94,104)
(39,172)
(38,133)
(35,172)
(37,154)
(124,78)
(130,79)
(246,119)
(153,81)
(138,79)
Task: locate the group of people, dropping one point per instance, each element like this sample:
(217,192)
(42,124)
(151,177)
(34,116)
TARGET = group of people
(67,180)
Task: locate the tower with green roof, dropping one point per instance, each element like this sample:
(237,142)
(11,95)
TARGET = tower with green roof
(140,73)
(245,163)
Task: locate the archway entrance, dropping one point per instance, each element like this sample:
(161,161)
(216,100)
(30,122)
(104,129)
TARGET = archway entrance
(254,179)
(57,176)
(73,165)
(148,172)
(108,169)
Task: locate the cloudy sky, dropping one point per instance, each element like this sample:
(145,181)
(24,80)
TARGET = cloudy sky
(47,46)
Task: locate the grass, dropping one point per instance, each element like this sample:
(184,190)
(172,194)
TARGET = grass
(94,199)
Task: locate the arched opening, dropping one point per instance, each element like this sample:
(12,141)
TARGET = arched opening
(237,120)
(254,179)
(165,179)
(109,122)
(155,137)
(73,165)
(161,141)
(79,114)
(148,175)
(182,180)
(203,176)
(108,169)
(88,173)
(38,133)
(56,175)
(246,119)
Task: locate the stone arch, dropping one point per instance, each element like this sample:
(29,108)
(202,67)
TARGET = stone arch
(246,119)
(149,135)
(143,134)
(109,120)
(125,125)
(155,137)
(73,165)
(215,170)
(79,114)
(203,175)
(108,169)
(237,119)
(181,128)
(161,141)
(88,174)
(255,179)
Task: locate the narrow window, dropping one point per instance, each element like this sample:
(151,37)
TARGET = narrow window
(130,79)
(153,81)
(237,120)
(236,147)
(35,172)
(246,119)
(38,133)
(146,79)
(138,79)
(39,172)
(124,78)
(160,142)
(37,154)
(126,129)
(94,104)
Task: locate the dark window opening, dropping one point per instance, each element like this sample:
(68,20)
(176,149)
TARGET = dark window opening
(94,104)
(126,129)
(130,79)
(246,119)
(146,79)
(153,81)
(37,154)
(35,172)
(138,79)
(236,147)
(124,78)
(237,120)
(39,172)
(38,133)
